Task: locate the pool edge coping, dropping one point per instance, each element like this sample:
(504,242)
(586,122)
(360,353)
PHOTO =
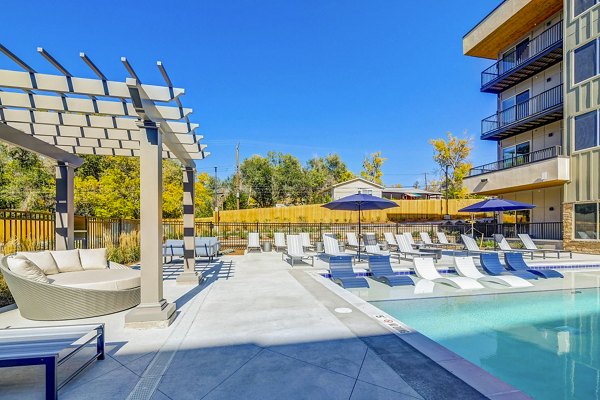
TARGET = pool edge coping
(468,372)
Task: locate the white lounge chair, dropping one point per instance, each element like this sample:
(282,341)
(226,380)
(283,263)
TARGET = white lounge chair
(279,241)
(353,241)
(405,249)
(253,242)
(472,247)
(295,250)
(375,250)
(428,242)
(443,240)
(425,269)
(505,246)
(409,239)
(306,240)
(466,267)
(529,244)
(332,247)
(390,240)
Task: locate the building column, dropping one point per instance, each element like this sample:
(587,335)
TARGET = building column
(64,226)
(189,274)
(153,310)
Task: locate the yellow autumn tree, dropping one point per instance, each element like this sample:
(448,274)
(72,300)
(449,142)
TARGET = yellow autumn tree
(452,154)
(372,167)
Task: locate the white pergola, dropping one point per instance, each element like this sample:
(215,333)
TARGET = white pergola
(61,116)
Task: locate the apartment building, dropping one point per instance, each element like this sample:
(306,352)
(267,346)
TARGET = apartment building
(545,75)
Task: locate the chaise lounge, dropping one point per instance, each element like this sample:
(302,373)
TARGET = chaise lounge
(69,284)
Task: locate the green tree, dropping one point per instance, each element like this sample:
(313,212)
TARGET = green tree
(321,173)
(451,154)
(288,178)
(203,198)
(372,167)
(257,173)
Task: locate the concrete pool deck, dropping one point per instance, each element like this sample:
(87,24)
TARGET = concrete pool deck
(256,329)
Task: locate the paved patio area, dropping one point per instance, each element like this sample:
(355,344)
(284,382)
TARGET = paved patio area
(255,329)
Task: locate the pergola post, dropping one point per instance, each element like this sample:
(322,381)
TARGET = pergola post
(189,274)
(64,225)
(153,310)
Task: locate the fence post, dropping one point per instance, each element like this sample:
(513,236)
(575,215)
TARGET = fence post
(87,234)
(320,231)
(210,225)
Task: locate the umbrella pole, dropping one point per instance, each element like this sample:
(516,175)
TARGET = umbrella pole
(359,232)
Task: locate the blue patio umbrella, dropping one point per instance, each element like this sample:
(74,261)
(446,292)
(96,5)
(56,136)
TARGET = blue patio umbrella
(360,202)
(495,205)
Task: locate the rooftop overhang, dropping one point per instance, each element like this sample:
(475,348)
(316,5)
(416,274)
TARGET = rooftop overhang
(508,22)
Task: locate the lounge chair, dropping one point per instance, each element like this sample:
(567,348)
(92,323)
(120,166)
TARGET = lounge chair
(342,273)
(172,248)
(466,267)
(295,251)
(472,247)
(490,262)
(405,249)
(390,240)
(505,246)
(529,244)
(306,241)
(443,240)
(425,269)
(428,242)
(515,262)
(332,247)
(207,247)
(253,242)
(374,249)
(409,239)
(353,241)
(370,238)
(279,241)
(381,270)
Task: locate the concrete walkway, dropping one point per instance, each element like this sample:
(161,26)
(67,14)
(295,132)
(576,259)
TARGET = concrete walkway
(254,330)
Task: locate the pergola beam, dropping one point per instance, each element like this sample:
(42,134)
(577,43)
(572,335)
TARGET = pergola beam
(85,106)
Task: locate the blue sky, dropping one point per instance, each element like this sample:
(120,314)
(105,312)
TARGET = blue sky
(306,77)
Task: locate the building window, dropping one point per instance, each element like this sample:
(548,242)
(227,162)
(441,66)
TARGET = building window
(586,131)
(585,62)
(586,221)
(580,6)
(516,155)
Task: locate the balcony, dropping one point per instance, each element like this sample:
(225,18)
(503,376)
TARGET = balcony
(524,62)
(538,111)
(535,170)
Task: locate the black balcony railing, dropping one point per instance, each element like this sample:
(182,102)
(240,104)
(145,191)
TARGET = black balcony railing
(544,101)
(522,55)
(520,159)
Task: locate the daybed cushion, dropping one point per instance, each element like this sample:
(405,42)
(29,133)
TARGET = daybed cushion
(43,259)
(93,259)
(104,279)
(67,260)
(26,269)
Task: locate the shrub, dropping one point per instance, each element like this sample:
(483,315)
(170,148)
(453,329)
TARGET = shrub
(128,249)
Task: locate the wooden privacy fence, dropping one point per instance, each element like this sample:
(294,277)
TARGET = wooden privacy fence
(407,210)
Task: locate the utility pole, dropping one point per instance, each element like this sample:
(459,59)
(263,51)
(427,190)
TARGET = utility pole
(237,175)
(426,181)
(447,216)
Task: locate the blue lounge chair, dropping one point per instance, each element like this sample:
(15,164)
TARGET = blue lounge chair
(515,262)
(343,274)
(490,262)
(381,270)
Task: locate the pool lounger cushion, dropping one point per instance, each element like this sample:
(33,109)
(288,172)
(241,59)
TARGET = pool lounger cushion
(381,270)
(343,274)
(515,262)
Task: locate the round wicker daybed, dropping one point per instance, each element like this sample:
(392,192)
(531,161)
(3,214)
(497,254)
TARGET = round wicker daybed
(53,302)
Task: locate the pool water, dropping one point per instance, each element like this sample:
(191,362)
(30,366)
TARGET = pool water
(546,344)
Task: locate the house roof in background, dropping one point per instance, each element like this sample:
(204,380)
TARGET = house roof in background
(378,186)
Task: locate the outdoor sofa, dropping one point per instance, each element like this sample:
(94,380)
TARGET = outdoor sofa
(203,247)
(69,284)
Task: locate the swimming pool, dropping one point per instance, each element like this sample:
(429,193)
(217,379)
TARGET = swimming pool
(546,344)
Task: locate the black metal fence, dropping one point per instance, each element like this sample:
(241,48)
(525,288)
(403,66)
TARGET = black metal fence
(38,230)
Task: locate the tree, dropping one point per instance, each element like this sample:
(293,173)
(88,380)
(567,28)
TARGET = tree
(451,154)
(372,167)
(288,178)
(203,199)
(257,173)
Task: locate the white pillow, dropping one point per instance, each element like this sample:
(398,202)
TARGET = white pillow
(26,269)
(93,259)
(43,259)
(67,260)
